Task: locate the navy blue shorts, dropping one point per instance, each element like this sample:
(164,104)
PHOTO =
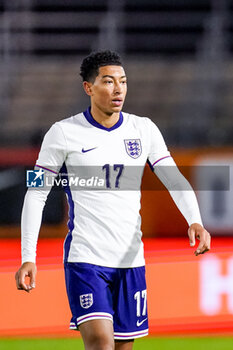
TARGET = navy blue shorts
(115,294)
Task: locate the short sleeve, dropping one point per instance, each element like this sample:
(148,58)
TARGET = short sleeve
(53,149)
(158,149)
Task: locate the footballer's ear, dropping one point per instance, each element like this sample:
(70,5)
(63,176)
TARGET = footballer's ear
(87,87)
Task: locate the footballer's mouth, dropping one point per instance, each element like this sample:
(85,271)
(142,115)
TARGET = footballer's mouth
(118,101)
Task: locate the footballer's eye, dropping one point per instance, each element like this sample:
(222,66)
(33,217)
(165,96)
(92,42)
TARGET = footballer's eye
(107,81)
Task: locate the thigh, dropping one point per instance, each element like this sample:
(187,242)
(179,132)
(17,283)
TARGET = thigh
(124,345)
(130,305)
(98,334)
(88,293)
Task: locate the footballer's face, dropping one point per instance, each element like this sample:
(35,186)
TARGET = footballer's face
(109,89)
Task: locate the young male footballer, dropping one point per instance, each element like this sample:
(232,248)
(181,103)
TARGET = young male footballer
(103,252)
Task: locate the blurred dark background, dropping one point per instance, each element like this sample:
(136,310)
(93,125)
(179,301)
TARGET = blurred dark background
(178,56)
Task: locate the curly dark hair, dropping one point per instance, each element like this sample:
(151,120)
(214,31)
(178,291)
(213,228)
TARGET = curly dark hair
(90,66)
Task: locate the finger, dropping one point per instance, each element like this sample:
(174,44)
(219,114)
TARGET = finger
(199,249)
(32,280)
(23,286)
(20,281)
(17,280)
(209,241)
(206,242)
(202,248)
(198,252)
(191,234)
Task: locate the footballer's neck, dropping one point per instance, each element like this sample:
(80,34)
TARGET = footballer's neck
(104,118)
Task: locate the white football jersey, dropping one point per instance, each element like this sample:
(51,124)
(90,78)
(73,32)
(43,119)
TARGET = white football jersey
(104,222)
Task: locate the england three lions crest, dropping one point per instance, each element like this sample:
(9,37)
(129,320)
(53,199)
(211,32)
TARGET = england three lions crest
(133,147)
(86,300)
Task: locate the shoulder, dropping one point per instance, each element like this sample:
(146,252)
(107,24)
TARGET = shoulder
(59,130)
(136,119)
(139,121)
(70,121)
(146,126)
(68,125)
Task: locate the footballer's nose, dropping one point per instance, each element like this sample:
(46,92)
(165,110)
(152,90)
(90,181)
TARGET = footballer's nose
(117,88)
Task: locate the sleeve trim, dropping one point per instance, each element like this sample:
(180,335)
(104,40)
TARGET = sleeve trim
(160,160)
(42,167)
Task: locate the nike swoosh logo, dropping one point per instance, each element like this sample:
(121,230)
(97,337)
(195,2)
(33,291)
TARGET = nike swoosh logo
(88,150)
(140,323)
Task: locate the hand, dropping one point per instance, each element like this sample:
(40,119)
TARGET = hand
(28,269)
(197,231)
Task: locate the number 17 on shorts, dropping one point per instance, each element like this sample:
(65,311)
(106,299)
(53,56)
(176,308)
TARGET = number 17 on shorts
(141,306)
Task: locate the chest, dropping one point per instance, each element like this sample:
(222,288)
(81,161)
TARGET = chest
(95,147)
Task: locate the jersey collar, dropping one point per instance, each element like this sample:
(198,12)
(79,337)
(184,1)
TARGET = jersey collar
(91,120)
